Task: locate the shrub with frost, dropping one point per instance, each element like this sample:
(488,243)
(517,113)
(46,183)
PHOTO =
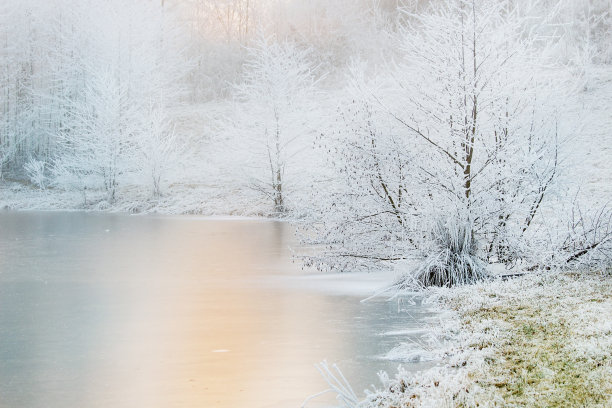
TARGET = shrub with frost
(586,242)
(36,172)
(463,128)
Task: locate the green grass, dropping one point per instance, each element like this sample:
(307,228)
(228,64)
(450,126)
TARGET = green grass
(536,365)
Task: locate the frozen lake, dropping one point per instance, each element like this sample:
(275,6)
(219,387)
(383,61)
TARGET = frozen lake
(105,310)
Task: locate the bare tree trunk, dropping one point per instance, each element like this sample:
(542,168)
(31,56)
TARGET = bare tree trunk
(278,199)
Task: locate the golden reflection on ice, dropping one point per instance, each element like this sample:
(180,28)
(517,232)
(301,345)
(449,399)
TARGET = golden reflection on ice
(168,353)
(119,311)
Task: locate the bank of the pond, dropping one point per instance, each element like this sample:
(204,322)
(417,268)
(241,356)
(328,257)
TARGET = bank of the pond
(178,198)
(541,340)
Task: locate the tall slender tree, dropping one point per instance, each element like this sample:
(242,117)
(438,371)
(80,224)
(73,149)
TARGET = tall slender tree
(274,101)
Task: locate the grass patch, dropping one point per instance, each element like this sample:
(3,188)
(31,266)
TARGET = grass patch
(541,340)
(550,353)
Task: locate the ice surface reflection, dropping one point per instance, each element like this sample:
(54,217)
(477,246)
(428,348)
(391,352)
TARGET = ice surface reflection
(103,310)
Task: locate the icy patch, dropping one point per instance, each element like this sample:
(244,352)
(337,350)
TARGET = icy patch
(410,353)
(406,332)
(350,283)
(192,217)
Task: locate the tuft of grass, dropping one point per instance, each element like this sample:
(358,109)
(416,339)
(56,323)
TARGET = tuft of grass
(453,259)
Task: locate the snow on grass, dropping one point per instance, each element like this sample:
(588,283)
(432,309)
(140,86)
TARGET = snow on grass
(541,340)
(177,199)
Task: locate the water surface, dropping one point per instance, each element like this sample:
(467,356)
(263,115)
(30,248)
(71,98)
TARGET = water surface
(104,310)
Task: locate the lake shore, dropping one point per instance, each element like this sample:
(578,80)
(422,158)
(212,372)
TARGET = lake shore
(541,340)
(177,199)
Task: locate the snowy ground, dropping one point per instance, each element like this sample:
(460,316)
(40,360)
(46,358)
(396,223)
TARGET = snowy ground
(542,340)
(177,199)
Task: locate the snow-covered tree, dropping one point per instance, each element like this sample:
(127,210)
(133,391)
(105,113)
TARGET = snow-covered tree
(131,59)
(21,57)
(272,118)
(95,143)
(579,32)
(449,157)
(157,147)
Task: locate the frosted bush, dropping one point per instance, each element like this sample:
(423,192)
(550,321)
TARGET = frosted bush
(462,129)
(36,172)
(588,240)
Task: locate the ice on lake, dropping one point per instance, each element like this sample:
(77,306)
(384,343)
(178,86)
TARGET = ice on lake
(108,310)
